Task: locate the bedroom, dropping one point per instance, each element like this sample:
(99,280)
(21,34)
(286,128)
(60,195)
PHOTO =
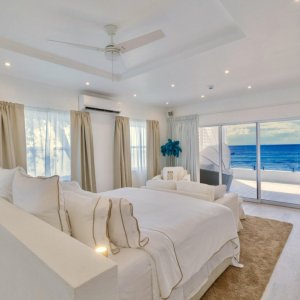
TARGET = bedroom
(233,64)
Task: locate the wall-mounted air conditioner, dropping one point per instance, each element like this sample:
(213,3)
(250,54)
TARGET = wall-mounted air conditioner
(99,104)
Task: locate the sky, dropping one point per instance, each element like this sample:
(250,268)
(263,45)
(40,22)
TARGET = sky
(271,133)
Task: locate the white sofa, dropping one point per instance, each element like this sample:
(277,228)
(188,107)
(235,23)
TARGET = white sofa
(37,261)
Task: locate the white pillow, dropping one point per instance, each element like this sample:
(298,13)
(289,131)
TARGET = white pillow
(123,227)
(88,218)
(40,197)
(6,180)
(161,184)
(203,191)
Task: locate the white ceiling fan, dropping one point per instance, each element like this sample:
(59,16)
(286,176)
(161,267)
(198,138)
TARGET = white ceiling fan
(112,50)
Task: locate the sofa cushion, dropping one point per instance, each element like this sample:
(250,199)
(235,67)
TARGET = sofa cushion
(161,184)
(204,191)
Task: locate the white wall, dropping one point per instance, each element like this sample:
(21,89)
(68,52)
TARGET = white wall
(271,105)
(103,128)
(40,95)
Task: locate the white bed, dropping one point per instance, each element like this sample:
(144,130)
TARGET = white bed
(203,235)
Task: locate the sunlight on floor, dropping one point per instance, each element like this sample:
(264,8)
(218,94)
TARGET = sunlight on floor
(282,192)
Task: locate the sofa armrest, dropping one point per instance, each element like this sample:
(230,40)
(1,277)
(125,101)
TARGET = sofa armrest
(158,177)
(231,200)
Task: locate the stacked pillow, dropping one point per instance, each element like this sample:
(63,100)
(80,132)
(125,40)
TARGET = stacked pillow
(99,220)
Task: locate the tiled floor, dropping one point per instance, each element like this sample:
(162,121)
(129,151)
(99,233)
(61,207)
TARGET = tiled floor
(285,281)
(279,192)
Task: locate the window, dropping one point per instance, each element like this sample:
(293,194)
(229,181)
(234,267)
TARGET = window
(48,142)
(138,147)
(260,160)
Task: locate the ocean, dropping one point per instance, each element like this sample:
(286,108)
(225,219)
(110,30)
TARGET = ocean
(273,157)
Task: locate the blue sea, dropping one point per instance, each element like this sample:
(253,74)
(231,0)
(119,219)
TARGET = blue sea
(273,157)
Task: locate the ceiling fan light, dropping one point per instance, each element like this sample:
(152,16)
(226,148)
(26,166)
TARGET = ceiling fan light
(111,55)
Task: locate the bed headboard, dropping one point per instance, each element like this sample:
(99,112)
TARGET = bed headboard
(39,262)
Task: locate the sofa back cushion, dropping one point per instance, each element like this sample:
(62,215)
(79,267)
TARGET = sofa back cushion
(40,196)
(203,191)
(161,184)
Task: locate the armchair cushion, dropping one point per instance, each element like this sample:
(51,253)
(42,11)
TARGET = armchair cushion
(173,173)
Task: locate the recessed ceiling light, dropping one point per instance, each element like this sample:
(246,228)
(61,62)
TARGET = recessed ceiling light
(297,0)
(172,85)
(167,103)
(249,87)
(226,71)
(134,95)
(7,64)
(202,96)
(87,83)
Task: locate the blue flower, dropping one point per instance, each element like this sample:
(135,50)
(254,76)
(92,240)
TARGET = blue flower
(171,148)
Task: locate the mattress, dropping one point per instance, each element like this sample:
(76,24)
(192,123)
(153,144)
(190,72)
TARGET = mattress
(136,280)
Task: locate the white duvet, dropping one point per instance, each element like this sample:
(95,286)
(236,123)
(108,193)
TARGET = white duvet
(184,232)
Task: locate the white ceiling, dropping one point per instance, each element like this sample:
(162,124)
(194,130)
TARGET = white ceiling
(257,40)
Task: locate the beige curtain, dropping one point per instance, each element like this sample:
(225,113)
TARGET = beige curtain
(12,135)
(153,149)
(82,151)
(122,155)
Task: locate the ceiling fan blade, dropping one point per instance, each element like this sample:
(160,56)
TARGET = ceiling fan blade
(141,41)
(79,45)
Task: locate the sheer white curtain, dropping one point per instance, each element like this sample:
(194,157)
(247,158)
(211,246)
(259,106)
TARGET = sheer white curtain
(138,147)
(48,142)
(185,130)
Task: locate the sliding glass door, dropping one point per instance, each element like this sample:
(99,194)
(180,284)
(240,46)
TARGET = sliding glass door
(239,156)
(259,161)
(280,162)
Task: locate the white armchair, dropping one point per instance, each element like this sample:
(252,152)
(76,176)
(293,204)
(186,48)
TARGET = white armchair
(173,173)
